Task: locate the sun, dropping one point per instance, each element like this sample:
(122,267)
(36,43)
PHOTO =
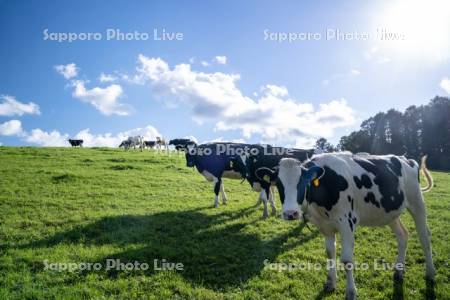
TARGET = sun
(422,28)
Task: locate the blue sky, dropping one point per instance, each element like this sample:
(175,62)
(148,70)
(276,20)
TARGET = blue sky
(224,79)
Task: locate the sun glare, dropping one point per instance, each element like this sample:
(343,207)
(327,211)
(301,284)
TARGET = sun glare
(415,29)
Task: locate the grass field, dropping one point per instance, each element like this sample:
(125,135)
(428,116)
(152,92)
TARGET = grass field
(88,205)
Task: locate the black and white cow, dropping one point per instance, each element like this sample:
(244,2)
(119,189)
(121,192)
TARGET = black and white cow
(149,144)
(214,163)
(133,141)
(265,157)
(339,192)
(76,143)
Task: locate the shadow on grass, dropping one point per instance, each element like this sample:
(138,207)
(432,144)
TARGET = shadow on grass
(214,253)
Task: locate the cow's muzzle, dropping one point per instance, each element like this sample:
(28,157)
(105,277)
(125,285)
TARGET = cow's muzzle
(291,215)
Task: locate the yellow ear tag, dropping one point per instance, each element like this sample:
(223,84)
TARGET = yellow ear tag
(316,182)
(266,178)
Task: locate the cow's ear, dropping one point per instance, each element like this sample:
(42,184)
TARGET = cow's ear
(266,174)
(313,174)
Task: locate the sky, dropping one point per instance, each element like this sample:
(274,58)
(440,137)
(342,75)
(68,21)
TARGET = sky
(244,71)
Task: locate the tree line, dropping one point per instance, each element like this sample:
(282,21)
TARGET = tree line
(417,131)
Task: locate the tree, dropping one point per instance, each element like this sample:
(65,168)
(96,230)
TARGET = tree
(418,131)
(324,146)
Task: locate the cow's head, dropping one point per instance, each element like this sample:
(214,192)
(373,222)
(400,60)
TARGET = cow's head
(293,180)
(190,155)
(239,164)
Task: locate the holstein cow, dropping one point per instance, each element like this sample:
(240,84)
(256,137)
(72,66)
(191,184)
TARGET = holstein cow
(149,144)
(133,141)
(339,192)
(76,143)
(161,142)
(215,163)
(265,157)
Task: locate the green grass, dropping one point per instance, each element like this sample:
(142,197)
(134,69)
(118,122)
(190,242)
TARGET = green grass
(88,205)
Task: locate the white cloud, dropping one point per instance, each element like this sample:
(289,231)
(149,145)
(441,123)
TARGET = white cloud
(374,54)
(204,63)
(10,128)
(277,91)
(68,71)
(46,139)
(214,97)
(445,84)
(107,77)
(106,100)
(221,60)
(10,107)
(352,73)
(57,139)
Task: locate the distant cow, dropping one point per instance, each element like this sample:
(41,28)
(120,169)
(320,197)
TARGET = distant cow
(340,191)
(149,144)
(265,157)
(161,143)
(76,143)
(182,144)
(132,141)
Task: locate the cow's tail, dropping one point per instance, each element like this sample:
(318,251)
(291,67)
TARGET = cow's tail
(428,177)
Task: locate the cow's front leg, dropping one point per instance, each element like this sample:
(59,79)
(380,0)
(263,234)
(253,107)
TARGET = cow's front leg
(348,244)
(224,196)
(330,246)
(217,184)
(402,239)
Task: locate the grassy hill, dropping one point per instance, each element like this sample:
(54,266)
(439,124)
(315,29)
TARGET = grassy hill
(89,205)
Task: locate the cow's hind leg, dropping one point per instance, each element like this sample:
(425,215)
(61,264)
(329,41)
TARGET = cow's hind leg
(260,198)
(330,246)
(272,201)
(224,196)
(264,201)
(402,241)
(348,244)
(217,184)
(418,212)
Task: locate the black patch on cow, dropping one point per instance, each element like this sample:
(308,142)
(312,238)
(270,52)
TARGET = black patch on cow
(363,182)
(396,166)
(386,176)
(217,187)
(350,224)
(327,214)
(354,220)
(327,193)
(370,198)
(280,188)
(350,199)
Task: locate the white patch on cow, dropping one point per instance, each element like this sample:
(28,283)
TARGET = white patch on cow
(256,187)
(209,176)
(231,175)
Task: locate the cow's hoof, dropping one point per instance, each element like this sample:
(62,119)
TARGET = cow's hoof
(264,216)
(216,205)
(398,276)
(274,212)
(329,287)
(350,295)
